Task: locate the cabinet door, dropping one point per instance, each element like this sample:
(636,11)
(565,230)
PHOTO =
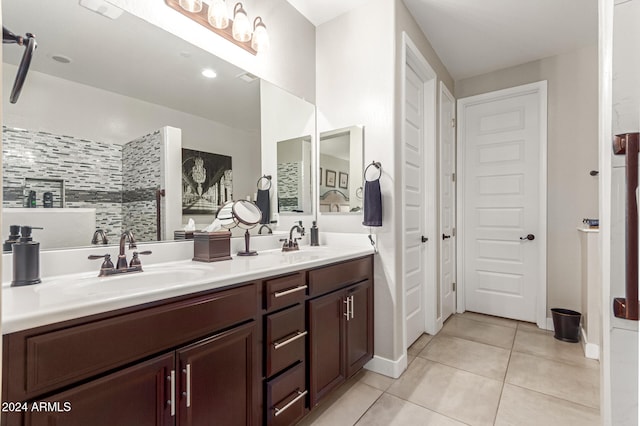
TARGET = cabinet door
(326,337)
(138,395)
(218,379)
(359,335)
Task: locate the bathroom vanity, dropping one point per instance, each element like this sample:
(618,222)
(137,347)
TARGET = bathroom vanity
(264,349)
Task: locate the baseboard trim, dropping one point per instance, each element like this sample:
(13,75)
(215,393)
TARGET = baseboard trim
(591,350)
(387,367)
(550,324)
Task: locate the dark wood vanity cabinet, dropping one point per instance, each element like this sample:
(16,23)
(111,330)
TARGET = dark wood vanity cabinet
(251,354)
(341,336)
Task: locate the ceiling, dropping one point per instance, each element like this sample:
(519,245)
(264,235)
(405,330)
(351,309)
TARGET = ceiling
(473,37)
(131,57)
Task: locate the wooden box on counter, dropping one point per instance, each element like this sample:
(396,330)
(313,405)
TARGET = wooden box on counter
(211,246)
(183,235)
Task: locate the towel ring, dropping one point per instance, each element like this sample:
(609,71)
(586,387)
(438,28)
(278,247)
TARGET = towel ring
(268,178)
(377,165)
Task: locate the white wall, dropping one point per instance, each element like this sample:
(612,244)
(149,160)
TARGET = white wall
(354,86)
(283,116)
(64,107)
(289,63)
(572,153)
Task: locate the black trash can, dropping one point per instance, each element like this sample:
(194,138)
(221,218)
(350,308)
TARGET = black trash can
(566,324)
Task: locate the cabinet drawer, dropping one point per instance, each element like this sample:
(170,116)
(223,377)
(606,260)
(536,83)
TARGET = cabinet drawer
(329,278)
(286,338)
(287,397)
(285,291)
(51,360)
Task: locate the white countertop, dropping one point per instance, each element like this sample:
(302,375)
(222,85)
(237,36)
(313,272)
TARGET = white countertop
(65,297)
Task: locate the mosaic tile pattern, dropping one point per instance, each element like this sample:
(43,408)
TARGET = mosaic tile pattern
(288,181)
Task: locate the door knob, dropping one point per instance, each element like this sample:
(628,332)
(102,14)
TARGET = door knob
(529,237)
(444,237)
(424,239)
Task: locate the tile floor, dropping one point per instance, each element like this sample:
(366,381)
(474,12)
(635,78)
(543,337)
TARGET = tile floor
(479,370)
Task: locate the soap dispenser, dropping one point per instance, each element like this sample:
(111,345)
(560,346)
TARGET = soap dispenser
(26,259)
(14,237)
(314,234)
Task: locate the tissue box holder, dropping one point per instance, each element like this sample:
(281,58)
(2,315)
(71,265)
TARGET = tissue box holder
(211,246)
(183,235)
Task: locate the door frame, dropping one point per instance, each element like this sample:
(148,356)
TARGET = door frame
(539,88)
(411,55)
(444,91)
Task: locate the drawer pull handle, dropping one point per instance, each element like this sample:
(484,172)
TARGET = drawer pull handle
(172,402)
(293,401)
(291,290)
(299,334)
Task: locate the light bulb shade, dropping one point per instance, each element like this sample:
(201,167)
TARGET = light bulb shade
(260,39)
(193,6)
(218,17)
(241,29)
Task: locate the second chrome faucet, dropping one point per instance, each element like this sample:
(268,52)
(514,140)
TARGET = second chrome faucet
(292,243)
(121,267)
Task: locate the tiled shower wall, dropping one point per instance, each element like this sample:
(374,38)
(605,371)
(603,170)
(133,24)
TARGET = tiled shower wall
(93,176)
(141,179)
(92,172)
(288,183)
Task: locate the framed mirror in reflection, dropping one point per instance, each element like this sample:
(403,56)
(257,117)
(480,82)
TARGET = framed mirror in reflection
(340,173)
(100,125)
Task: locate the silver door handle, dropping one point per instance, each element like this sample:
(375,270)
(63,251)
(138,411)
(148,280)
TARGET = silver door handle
(293,401)
(299,334)
(347,314)
(291,290)
(187,371)
(352,308)
(172,401)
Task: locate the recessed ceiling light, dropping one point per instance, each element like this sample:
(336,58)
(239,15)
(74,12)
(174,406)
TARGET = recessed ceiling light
(61,58)
(209,73)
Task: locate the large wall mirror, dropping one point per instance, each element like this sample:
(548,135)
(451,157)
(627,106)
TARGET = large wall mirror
(341,167)
(107,109)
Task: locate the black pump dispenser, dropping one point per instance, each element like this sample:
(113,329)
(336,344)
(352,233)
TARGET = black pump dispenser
(26,259)
(314,234)
(14,237)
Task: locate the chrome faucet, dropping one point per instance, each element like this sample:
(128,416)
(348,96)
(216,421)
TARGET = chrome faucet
(122,257)
(292,243)
(99,237)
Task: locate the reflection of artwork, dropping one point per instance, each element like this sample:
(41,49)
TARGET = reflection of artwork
(331,178)
(344,180)
(207,182)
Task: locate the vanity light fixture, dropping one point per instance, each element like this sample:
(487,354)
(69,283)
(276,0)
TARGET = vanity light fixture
(193,6)
(214,16)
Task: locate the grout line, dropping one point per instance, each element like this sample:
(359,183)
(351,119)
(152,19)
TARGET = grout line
(369,408)
(556,397)
(417,404)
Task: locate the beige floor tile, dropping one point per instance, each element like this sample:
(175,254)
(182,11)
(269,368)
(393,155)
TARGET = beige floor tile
(392,411)
(489,319)
(419,344)
(544,345)
(485,360)
(345,406)
(532,327)
(455,393)
(375,380)
(477,331)
(410,359)
(556,378)
(523,407)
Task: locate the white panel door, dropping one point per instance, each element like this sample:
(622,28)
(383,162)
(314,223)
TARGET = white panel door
(502,144)
(414,214)
(447,202)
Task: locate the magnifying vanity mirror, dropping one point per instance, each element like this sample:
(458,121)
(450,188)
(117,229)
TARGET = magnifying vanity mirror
(100,126)
(341,167)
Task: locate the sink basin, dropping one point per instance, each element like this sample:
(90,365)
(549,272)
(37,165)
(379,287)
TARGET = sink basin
(134,282)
